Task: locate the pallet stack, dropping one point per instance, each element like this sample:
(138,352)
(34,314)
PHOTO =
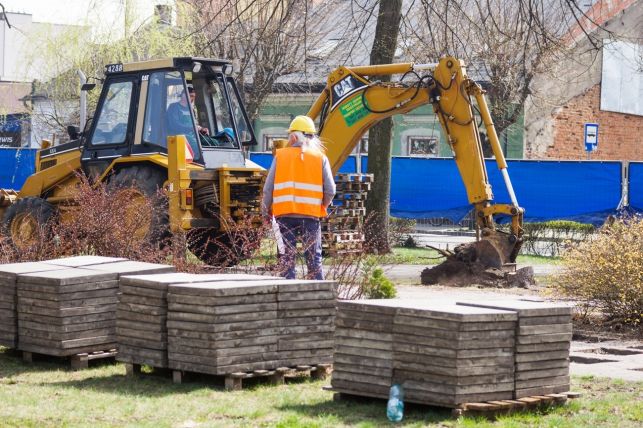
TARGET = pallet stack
(141,330)
(342,230)
(221,328)
(441,354)
(447,354)
(67,311)
(363,361)
(9,298)
(306,321)
(231,327)
(543,338)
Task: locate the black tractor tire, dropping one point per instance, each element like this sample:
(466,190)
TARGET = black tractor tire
(148,181)
(221,249)
(22,222)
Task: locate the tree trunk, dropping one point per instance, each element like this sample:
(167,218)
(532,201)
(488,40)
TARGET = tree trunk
(380,136)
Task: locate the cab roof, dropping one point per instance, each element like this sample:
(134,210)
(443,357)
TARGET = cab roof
(176,62)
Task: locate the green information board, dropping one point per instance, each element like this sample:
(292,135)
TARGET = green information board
(353,110)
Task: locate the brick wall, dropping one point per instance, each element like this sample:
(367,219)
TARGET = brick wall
(620,136)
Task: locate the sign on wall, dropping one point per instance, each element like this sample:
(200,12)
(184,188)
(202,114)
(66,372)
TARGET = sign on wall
(591,137)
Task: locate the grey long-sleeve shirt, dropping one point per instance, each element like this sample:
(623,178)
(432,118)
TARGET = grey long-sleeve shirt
(329,187)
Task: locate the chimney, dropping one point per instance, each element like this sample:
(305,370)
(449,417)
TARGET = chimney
(163,14)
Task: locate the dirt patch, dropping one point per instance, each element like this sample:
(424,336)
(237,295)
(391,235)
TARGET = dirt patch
(457,273)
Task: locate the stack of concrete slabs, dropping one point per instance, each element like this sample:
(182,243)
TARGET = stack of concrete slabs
(363,358)
(543,339)
(446,355)
(81,261)
(67,311)
(221,328)
(306,313)
(9,298)
(141,326)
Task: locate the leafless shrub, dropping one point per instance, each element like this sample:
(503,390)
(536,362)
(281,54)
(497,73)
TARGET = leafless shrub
(98,221)
(605,274)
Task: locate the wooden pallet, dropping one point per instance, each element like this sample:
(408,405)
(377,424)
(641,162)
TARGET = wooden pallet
(489,409)
(352,186)
(348,204)
(348,212)
(494,408)
(234,381)
(343,236)
(363,178)
(78,361)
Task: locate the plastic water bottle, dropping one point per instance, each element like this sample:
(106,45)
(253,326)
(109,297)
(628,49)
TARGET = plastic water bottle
(395,405)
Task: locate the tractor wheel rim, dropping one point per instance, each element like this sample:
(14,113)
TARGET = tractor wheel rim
(23,230)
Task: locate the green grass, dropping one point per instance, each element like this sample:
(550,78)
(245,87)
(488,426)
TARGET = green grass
(45,394)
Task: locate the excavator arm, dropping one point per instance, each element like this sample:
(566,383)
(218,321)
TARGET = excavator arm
(353,101)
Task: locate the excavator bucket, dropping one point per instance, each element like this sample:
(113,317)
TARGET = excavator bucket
(479,262)
(495,249)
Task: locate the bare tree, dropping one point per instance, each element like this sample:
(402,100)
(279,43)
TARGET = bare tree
(380,136)
(268,39)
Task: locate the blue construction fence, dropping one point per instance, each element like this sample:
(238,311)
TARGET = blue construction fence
(584,191)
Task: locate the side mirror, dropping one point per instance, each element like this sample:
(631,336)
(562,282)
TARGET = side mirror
(74,132)
(87,87)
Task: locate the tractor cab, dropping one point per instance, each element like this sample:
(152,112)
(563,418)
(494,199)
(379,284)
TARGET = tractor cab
(143,103)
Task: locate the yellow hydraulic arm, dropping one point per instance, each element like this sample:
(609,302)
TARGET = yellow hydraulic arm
(353,101)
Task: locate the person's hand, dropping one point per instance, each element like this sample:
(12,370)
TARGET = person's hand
(204,131)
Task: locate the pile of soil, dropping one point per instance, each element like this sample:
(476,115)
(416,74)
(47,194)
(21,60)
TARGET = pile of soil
(458,273)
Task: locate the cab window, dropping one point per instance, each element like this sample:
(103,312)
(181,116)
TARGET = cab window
(111,126)
(245,134)
(168,111)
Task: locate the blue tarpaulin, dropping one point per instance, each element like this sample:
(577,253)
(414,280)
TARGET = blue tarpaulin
(582,191)
(635,195)
(15,166)
(585,191)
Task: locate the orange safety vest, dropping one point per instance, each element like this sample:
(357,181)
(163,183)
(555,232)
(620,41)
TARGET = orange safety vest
(299,184)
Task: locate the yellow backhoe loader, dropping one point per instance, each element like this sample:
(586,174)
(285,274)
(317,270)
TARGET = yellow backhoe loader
(146,134)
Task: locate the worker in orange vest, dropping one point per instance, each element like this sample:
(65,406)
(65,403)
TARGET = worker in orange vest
(298,189)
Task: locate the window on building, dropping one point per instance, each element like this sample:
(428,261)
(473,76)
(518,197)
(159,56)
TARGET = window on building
(422,146)
(362,146)
(268,141)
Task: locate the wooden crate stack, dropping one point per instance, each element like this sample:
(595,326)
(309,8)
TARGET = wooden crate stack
(141,326)
(306,321)
(9,298)
(543,339)
(448,354)
(66,312)
(71,309)
(220,328)
(363,360)
(342,230)
(442,354)
(230,327)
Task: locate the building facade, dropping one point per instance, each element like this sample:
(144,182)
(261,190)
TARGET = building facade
(417,133)
(601,86)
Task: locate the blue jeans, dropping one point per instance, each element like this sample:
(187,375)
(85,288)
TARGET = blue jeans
(309,230)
